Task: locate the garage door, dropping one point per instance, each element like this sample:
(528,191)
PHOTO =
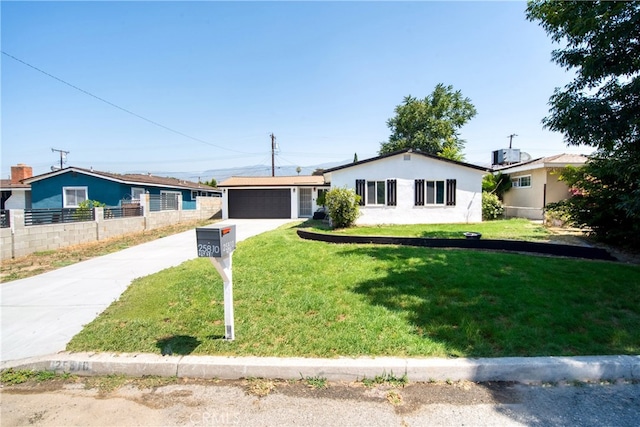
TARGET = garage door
(260,203)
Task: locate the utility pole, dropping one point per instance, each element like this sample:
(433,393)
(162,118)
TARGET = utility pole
(273,151)
(511,139)
(63,155)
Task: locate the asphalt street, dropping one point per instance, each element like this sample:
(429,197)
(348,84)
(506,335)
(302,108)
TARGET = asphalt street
(296,404)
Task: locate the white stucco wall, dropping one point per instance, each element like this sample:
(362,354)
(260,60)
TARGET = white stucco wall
(17,200)
(527,197)
(468,206)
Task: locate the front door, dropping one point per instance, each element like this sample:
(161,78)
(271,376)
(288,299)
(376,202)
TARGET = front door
(306,204)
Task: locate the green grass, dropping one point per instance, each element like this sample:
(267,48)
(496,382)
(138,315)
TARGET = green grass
(294,297)
(511,229)
(19,376)
(389,379)
(316,382)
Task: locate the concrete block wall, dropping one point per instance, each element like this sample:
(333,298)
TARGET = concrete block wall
(20,240)
(120,226)
(162,219)
(523,212)
(6,243)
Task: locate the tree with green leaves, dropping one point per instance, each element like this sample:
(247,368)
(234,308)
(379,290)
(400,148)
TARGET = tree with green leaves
(497,184)
(430,125)
(212,183)
(599,108)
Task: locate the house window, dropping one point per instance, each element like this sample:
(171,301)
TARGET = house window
(521,181)
(136,192)
(435,192)
(376,193)
(73,196)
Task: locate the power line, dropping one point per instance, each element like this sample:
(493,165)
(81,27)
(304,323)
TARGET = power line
(63,156)
(121,108)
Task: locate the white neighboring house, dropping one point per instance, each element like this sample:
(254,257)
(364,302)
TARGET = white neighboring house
(535,184)
(16,194)
(411,187)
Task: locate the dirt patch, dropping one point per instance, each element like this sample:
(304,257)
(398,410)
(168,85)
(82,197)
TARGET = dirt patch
(578,237)
(189,393)
(411,397)
(41,262)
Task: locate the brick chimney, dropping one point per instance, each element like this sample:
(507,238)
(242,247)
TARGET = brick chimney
(20,172)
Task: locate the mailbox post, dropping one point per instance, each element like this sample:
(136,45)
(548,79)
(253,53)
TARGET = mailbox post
(218,245)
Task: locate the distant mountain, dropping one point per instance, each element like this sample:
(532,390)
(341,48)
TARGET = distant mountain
(255,170)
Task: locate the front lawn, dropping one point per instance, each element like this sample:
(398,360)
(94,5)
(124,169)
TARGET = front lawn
(511,229)
(295,297)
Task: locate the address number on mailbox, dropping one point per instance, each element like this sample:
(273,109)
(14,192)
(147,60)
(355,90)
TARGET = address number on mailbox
(207,250)
(216,242)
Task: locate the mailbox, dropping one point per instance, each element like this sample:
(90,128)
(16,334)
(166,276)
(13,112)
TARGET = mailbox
(216,242)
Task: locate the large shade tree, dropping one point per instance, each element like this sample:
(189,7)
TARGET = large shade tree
(599,108)
(431,124)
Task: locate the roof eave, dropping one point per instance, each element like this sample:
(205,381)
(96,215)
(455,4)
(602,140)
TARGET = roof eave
(405,151)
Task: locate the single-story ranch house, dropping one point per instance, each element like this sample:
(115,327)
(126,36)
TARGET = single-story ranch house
(404,187)
(411,187)
(535,184)
(66,188)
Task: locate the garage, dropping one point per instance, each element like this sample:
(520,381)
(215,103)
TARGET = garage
(260,203)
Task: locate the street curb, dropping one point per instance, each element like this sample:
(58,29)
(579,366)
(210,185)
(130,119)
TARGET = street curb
(518,369)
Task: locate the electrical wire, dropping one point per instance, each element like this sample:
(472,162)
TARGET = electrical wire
(121,108)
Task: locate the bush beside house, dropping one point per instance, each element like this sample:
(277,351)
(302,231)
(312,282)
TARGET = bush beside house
(343,206)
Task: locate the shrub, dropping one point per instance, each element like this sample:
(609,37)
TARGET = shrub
(606,198)
(497,184)
(322,197)
(83,212)
(342,204)
(492,207)
(557,214)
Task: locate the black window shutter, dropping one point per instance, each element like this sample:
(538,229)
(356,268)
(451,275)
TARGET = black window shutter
(360,186)
(451,192)
(391,192)
(419,192)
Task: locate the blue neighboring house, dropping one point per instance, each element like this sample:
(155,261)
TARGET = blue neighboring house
(68,187)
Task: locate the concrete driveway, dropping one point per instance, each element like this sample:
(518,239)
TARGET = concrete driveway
(41,314)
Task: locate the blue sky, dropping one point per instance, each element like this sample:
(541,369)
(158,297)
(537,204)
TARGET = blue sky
(324,77)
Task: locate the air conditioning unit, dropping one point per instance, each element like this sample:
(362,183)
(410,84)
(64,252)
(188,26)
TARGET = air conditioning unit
(505,156)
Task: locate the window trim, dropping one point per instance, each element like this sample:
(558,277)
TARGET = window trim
(141,190)
(377,189)
(65,202)
(443,192)
(515,181)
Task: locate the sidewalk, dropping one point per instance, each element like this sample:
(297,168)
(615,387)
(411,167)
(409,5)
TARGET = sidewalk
(41,314)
